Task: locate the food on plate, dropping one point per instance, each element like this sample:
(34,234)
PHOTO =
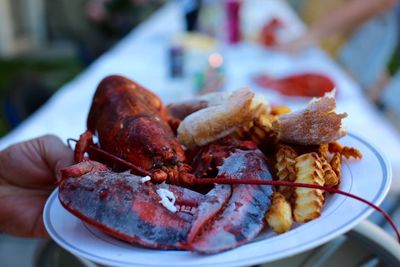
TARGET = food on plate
(286,168)
(323,151)
(121,205)
(259,129)
(318,123)
(330,177)
(203,188)
(336,164)
(302,84)
(279,216)
(279,110)
(216,228)
(219,120)
(308,202)
(347,152)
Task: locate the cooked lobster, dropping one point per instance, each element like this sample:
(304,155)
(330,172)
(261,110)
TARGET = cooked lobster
(131,123)
(140,185)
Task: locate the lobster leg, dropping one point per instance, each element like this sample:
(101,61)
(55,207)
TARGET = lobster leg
(242,218)
(124,207)
(85,140)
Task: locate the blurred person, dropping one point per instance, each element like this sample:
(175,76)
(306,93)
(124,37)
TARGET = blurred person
(28,173)
(359,34)
(331,22)
(390,77)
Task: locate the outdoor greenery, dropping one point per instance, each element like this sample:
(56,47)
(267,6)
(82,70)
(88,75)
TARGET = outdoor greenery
(18,73)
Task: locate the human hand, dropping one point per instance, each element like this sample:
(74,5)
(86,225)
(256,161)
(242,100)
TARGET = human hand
(27,177)
(297,44)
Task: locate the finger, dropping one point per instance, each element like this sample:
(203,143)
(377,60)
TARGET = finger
(56,154)
(34,163)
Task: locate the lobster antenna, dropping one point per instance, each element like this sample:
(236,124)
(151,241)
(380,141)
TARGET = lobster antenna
(294,184)
(133,167)
(136,169)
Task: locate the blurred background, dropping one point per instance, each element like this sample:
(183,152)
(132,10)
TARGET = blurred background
(44,44)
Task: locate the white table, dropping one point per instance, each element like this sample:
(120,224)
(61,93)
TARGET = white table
(142,56)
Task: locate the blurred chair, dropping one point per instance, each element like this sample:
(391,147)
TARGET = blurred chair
(365,245)
(366,52)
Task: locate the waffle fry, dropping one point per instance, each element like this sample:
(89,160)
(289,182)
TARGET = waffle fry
(259,129)
(346,151)
(336,164)
(313,156)
(285,166)
(279,215)
(308,202)
(323,151)
(331,179)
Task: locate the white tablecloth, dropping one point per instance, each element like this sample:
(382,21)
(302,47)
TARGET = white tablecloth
(142,56)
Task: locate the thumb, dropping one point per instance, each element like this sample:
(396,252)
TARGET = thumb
(55,153)
(34,163)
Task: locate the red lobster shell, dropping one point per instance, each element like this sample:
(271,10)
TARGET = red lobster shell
(131,123)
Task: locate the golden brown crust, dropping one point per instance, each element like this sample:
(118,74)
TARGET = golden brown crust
(214,122)
(279,215)
(316,124)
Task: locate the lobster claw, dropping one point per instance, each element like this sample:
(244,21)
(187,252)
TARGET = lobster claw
(124,207)
(243,216)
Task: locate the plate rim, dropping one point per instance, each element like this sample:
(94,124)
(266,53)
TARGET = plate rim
(366,211)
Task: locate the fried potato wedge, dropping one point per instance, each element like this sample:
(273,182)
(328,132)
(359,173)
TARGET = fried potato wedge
(279,216)
(308,202)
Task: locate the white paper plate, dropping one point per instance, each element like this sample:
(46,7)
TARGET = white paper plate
(369,178)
